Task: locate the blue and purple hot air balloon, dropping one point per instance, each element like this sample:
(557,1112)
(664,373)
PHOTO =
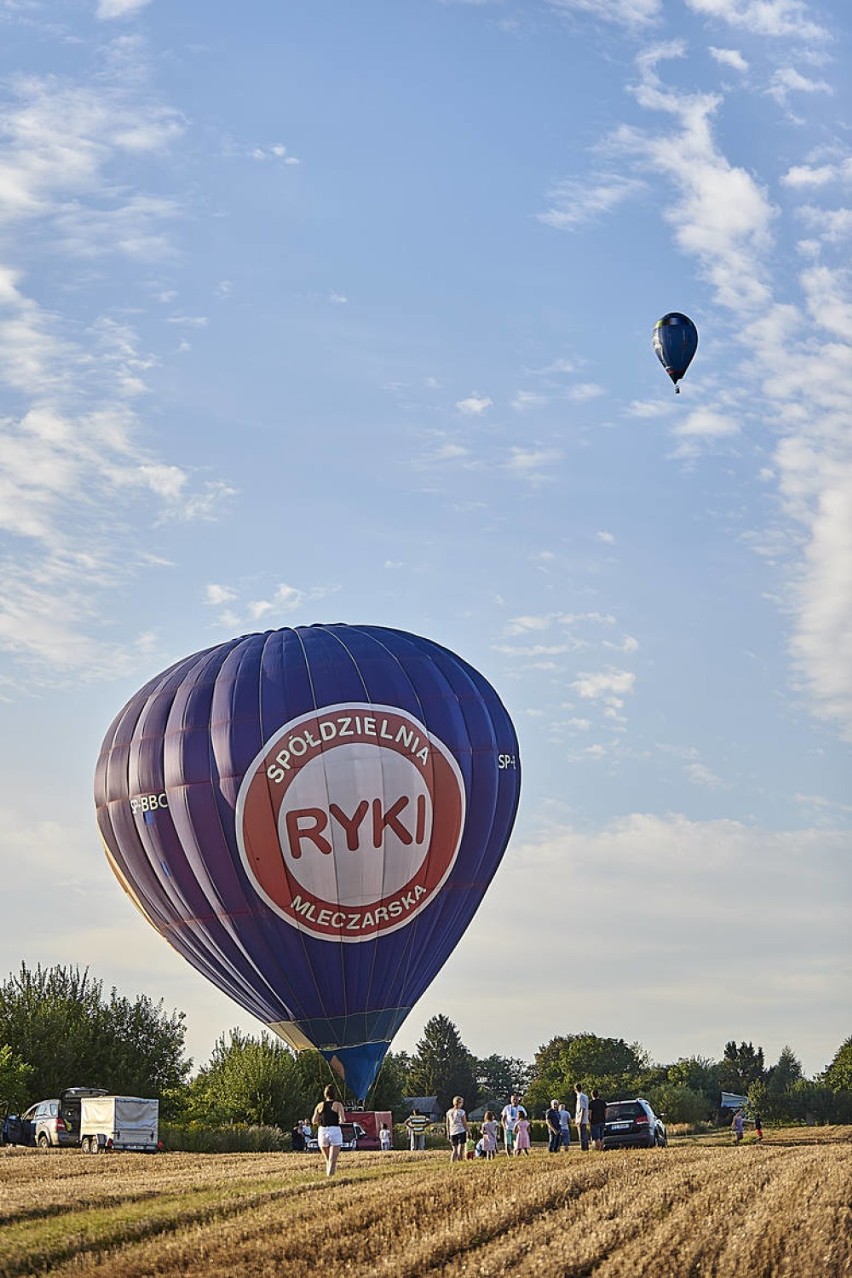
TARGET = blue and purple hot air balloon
(675,341)
(311,817)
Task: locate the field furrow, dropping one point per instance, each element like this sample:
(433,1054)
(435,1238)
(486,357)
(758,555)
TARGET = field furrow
(780,1210)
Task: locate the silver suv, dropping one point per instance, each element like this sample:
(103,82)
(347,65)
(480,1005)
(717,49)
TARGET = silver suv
(57,1122)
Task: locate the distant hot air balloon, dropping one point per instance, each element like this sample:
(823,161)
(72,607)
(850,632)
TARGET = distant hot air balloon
(675,341)
(311,817)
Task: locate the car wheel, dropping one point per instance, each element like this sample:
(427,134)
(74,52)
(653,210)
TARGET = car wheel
(43,1140)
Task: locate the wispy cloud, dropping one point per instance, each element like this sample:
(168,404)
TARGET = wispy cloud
(236,610)
(723,216)
(536,465)
(76,472)
(729,58)
(787,80)
(630,13)
(763,17)
(575,202)
(108,9)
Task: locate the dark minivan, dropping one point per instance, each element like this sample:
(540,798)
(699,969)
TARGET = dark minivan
(633,1122)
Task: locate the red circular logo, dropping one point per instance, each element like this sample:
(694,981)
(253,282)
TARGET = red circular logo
(349,820)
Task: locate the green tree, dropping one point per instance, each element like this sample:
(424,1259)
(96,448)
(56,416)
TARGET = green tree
(15,1077)
(740,1067)
(442,1066)
(58,1020)
(391,1084)
(498,1076)
(680,1104)
(771,1097)
(609,1064)
(253,1080)
(838,1075)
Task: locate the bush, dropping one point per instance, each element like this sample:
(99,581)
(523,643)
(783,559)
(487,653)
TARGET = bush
(235,1138)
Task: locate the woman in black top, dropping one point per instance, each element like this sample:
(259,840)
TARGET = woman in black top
(328,1116)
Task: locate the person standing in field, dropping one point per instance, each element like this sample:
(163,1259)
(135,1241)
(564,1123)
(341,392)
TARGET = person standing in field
(416,1125)
(328,1116)
(554,1127)
(597,1118)
(489,1134)
(509,1118)
(738,1125)
(457,1130)
(758,1128)
(565,1126)
(385,1137)
(522,1136)
(581,1116)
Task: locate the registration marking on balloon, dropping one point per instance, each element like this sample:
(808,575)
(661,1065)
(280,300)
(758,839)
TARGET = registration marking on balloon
(349,820)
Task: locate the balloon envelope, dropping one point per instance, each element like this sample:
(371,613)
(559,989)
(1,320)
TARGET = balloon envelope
(675,341)
(311,817)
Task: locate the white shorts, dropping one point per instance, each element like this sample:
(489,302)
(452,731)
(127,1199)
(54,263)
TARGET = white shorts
(329,1136)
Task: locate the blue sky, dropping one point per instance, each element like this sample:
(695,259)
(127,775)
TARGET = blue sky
(328,312)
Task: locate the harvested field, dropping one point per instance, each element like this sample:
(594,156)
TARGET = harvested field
(783,1208)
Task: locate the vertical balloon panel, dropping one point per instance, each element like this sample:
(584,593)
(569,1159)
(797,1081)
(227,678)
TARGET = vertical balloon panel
(311,818)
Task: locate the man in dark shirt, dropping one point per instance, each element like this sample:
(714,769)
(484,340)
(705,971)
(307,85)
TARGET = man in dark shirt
(554,1128)
(597,1118)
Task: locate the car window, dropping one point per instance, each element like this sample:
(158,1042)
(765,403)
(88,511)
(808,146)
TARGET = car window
(622,1110)
(54,1109)
(31,1113)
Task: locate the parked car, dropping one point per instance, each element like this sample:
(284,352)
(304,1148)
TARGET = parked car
(352,1133)
(633,1122)
(57,1121)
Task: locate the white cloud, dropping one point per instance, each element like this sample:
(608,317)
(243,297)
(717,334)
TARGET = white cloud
(705,423)
(606,537)
(630,13)
(119,8)
(609,686)
(763,17)
(833,225)
(283,601)
(806,175)
(75,468)
(577,201)
(722,216)
(584,391)
(729,58)
(474,405)
(215,596)
(526,400)
(534,464)
(787,80)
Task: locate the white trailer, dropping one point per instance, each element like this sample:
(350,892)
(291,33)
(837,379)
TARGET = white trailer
(119,1122)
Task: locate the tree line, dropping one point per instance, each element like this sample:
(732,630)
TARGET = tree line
(59,1028)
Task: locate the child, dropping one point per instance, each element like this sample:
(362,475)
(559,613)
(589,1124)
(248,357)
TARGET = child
(522,1135)
(489,1134)
(470,1146)
(385,1137)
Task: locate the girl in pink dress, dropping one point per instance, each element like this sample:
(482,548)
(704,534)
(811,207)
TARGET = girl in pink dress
(522,1135)
(489,1134)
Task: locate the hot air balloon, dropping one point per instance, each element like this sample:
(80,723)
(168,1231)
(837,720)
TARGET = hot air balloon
(311,817)
(675,341)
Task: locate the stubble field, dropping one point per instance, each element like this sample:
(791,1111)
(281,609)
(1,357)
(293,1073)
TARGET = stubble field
(781,1208)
